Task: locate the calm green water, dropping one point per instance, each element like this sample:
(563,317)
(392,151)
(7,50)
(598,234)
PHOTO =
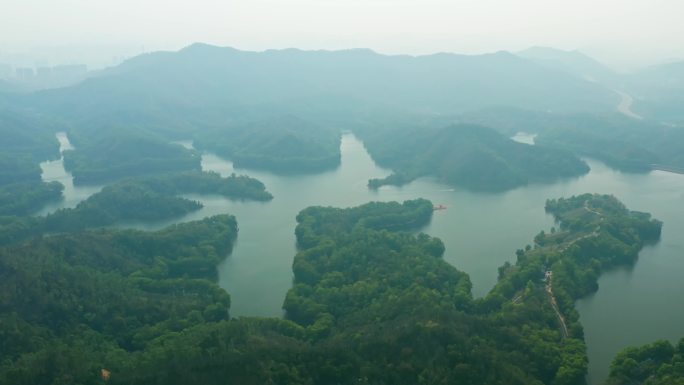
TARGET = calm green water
(639,305)
(480,231)
(53,170)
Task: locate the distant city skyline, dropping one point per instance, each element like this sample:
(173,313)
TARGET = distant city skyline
(624,35)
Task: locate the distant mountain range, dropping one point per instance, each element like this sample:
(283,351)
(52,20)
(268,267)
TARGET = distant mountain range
(284,109)
(658,91)
(213,78)
(204,75)
(572,62)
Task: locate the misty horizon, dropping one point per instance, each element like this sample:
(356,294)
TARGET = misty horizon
(328,192)
(97,57)
(623,36)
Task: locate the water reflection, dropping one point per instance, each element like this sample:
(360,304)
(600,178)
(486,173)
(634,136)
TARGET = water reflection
(480,231)
(54,171)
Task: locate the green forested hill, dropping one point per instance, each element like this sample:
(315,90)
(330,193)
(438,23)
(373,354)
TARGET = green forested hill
(27,140)
(284,144)
(26,198)
(117,154)
(469,156)
(71,304)
(149,198)
(241,104)
(152,198)
(369,304)
(619,141)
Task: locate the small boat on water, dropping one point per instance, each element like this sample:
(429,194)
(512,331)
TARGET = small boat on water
(439,207)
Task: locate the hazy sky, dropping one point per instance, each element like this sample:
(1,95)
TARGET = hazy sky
(622,33)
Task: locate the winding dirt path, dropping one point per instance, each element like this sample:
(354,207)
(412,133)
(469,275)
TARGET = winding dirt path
(554,305)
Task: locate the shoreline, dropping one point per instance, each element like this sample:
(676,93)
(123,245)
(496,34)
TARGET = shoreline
(670,169)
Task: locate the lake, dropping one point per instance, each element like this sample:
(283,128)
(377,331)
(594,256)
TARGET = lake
(53,170)
(481,231)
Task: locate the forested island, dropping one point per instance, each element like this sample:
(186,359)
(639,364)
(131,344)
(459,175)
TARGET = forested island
(469,156)
(371,303)
(143,199)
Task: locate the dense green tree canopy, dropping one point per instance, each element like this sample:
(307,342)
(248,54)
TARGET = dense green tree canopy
(621,142)
(27,140)
(658,363)
(150,198)
(28,197)
(72,303)
(469,156)
(116,154)
(370,304)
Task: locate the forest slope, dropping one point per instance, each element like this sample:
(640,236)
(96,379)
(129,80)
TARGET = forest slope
(469,156)
(370,303)
(621,142)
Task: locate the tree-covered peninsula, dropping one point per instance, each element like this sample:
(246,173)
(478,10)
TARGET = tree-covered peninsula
(372,302)
(153,198)
(594,234)
(142,199)
(102,157)
(469,156)
(28,197)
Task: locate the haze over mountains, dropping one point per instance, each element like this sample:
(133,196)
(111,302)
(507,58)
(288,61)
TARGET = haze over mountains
(573,62)
(538,78)
(369,303)
(434,84)
(283,109)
